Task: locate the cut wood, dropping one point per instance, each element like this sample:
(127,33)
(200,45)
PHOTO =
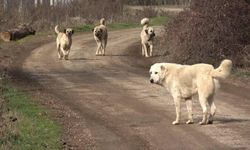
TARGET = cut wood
(17,33)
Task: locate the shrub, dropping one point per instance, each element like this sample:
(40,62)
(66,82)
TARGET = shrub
(208,32)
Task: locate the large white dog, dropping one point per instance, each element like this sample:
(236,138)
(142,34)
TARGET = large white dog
(183,81)
(147,36)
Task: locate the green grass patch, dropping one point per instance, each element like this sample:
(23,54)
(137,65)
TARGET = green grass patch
(241,73)
(34,129)
(156,21)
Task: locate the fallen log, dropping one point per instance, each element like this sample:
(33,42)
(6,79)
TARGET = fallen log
(17,33)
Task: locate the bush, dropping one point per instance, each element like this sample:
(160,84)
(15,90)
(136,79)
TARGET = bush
(209,32)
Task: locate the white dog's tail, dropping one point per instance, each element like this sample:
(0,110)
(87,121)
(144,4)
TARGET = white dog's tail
(145,21)
(102,21)
(223,71)
(56,29)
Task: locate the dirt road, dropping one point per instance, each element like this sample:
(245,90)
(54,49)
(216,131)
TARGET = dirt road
(118,108)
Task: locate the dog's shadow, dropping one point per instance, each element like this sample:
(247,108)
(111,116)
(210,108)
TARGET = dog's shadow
(86,59)
(230,120)
(225,120)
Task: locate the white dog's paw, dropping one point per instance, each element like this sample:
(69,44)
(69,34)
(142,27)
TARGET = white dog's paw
(190,122)
(175,122)
(202,123)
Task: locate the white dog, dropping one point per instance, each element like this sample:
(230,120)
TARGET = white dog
(64,42)
(183,81)
(101,37)
(147,36)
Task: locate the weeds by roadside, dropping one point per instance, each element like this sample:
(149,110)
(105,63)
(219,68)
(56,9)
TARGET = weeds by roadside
(25,125)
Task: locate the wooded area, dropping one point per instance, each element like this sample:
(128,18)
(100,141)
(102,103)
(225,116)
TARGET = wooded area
(44,14)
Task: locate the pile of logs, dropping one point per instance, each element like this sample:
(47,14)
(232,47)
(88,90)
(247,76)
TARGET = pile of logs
(17,33)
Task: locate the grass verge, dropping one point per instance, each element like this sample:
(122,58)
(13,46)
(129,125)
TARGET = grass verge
(26,125)
(156,21)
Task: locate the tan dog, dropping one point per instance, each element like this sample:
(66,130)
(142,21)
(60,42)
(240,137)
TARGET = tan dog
(101,37)
(183,81)
(147,36)
(64,42)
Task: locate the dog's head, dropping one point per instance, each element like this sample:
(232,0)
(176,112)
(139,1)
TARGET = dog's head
(150,31)
(158,73)
(97,31)
(68,31)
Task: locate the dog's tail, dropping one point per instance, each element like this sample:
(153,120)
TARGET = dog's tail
(224,70)
(103,21)
(56,29)
(145,21)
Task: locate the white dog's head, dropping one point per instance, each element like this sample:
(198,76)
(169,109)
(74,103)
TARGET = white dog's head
(150,31)
(157,73)
(68,31)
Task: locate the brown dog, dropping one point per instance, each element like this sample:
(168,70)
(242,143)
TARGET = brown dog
(64,42)
(101,37)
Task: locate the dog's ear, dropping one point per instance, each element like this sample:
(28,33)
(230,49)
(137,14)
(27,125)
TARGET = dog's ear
(93,30)
(146,31)
(164,69)
(64,30)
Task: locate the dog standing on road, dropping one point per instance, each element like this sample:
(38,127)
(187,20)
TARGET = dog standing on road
(101,37)
(183,81)
(63,42)
(147,36)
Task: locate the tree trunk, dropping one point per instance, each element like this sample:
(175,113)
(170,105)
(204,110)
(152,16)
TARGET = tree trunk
(17,33)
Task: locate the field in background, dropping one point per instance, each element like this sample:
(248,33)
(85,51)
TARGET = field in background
(155,21)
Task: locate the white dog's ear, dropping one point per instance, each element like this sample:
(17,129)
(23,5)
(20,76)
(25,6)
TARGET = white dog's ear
(164,68)
(146,31)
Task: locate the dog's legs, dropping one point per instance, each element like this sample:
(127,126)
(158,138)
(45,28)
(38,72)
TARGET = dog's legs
(151,50)
(203,102)
(213,109)
(98,48)
(59,53)
(145,50)
(103,48)
(190,110)
(142,50)
(177,102)
(66,55)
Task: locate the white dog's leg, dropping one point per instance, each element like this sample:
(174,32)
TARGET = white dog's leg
(63,52)
(98,48)
(59,53)
(190,111)
(213,110)
(142,50)
(66,55)
(145,50)
(177,102)
(103,48)
(151,50)
(203,102)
